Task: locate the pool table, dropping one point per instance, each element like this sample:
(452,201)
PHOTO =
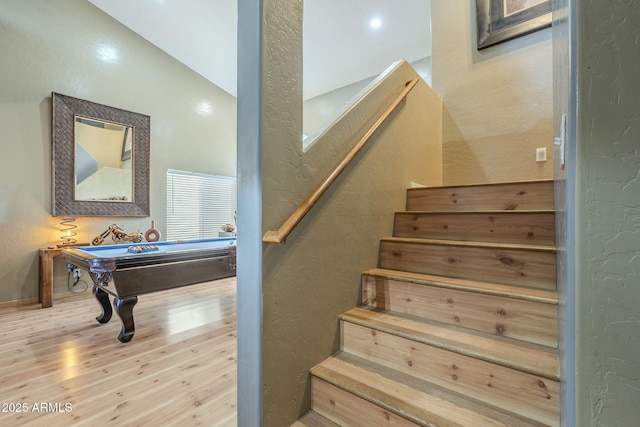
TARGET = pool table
(121,272)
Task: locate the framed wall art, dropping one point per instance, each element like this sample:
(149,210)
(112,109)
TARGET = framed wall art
(502,20)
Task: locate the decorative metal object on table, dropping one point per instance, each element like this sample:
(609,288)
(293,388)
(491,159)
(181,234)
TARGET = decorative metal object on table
(117,235)
(68,230)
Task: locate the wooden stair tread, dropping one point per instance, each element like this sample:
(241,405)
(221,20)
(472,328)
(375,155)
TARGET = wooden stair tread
(313,419)
(526,357)
(489,184)
(416,400)
(480,212)
(518,292)
(473,244)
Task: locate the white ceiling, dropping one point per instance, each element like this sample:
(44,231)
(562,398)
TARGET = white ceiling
(339,46)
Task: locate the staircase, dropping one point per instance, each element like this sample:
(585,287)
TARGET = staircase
(458,324)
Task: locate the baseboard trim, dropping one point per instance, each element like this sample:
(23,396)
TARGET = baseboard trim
(18,302)
(34,300)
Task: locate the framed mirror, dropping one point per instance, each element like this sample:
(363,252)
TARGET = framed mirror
(100,159)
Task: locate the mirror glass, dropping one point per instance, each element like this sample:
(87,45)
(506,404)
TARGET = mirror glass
(100,159)
(103,153)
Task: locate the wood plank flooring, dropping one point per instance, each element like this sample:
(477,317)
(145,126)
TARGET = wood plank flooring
(59,367)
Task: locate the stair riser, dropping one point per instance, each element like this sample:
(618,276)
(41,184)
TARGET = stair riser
(528,395)
(508,227)
(516,196)
(512,318)
(347,409)
(519,267)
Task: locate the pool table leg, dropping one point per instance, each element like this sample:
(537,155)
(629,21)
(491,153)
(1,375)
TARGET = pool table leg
(103,300)
(124,308)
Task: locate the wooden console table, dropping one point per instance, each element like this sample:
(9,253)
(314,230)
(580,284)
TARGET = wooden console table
(45,273)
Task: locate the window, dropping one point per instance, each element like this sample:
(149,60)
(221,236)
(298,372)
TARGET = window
(198,204)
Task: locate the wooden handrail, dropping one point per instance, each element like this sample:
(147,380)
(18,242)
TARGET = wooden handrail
(280,235)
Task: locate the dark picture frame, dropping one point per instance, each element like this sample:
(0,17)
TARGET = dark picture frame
(501,20)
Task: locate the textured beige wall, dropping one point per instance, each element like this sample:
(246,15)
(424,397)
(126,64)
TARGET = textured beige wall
(315,276)
(50,46)
(608,212)
(323,109)
(498,102)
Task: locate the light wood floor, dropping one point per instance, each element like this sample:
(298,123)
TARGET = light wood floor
(179,369)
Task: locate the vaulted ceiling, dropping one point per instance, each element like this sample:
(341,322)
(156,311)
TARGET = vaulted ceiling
(341,46)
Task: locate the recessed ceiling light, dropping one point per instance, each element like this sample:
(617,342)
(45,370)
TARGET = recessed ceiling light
(375,23)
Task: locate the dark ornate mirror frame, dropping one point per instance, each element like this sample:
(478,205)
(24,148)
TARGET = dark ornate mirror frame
(64,110)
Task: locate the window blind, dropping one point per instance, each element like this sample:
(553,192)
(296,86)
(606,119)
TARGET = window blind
(198,204)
